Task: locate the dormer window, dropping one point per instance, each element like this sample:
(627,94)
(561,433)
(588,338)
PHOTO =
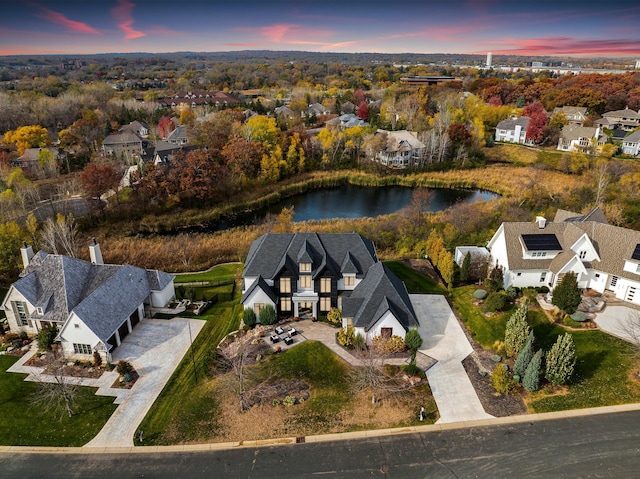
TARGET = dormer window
(583,254)
(539,254)
(349,280)
(40,311)
(305,267)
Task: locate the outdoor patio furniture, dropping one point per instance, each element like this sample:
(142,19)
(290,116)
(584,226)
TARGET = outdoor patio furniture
(288,340)
(292,332)
(274,338)
(279,330)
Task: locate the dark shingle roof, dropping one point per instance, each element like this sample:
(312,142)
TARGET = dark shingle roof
(262,284)
(511,123)
(380,291)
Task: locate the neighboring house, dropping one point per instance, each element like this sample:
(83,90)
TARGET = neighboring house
(178,136)
(576,115)
(316,109)
(626,120)
(513,130)
(403,148)
(478,253)
(348,120)
(307,274)
(29,159)
(580,138)
(196,98)
(93,305)
(164,151)
(603,257)
(347,107)
(631,144)
(137,128)
(285,112)
(124,145)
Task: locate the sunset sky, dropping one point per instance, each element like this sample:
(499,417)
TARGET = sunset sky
(543,27)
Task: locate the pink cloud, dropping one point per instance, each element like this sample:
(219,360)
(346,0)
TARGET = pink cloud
(564,46)
(291,34)
(124,18)
(59,19)
(241,44)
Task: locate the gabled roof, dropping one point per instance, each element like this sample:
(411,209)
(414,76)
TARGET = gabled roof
(510,124)
(274,251)
(380,291)
(575,132)
(102,296)
(179,133)
(633,137)
(262,285)
(401,140)
(626,113)
(571,111)
(595,214)
(122,138)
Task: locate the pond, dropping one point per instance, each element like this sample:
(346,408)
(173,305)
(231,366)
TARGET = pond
(351,201)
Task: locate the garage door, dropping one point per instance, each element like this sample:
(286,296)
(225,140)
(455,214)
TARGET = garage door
(134,318)
(123,331)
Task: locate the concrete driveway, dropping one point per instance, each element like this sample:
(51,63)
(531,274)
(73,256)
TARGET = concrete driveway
(620,321)
(445,341)
(154,348)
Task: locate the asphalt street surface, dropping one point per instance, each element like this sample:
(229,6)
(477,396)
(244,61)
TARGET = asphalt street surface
(601,446)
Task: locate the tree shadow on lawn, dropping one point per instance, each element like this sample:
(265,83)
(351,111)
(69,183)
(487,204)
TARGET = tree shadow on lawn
(587,365)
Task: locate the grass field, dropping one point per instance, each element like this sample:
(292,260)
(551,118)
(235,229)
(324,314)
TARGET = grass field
(22,424)
(604,364)
(219,272)
(417,283)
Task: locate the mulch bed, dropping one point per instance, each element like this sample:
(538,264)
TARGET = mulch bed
(118,384)
(83,370)
(493,403)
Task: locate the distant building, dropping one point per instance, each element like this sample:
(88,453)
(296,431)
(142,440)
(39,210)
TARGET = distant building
(513,130)
(637,64)
(489,59)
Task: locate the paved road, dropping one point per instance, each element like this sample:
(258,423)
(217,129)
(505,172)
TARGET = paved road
(600,446)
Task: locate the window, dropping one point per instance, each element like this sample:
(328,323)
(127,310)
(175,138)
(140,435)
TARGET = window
(257,307)
(325,285)
(583,254)
(305,267)
(386,333)
(82,348)
(285,285)
(20,308)
(597,275)
(614,281)
(543,276)
(349,280)
(539,254)
(305,282)
(285,304)
(519,274)
(325,304)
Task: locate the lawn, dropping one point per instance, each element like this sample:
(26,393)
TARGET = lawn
(417,283)
(22,424)
(178,415)
(217,273)
(603,368)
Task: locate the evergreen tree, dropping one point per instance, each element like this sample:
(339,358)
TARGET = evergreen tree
(517,330)
(495,281)
(531,380)
(465,269)
(413,341)
(268,315)
(524,357)
(561,360)
(566,295)
(249,318)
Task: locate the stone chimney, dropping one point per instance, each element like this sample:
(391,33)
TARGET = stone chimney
(95,253)
(542,222)
(27,253)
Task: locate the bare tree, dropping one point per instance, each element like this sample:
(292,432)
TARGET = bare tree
(602,178)
(60,235)
(236,357)
(56,392)
(372,376)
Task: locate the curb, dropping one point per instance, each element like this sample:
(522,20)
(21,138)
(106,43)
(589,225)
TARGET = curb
(344,436)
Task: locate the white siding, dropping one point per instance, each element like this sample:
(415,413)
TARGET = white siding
(75,331)
(388,320)
(12,320)
(526,278)
(258,296)
(160,299)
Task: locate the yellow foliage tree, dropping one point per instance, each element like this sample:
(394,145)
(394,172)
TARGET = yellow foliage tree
(270,165)
(263,129)
(32,136)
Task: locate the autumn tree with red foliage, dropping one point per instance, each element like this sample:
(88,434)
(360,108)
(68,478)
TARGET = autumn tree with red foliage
(98,179)
(165,126)
(243,157)
(459,135)
(538,121)
(194,176)
(363,111)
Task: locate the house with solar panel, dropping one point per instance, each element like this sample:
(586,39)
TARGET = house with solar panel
(93,305)
(603,257)
(306,274)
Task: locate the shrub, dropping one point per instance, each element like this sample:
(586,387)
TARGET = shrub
(566,295)
(23,335)
(359,342)
(495,281)
(127,377)
(97,359)
(542,289)
(268,315)
(346,336)
(289,401)
(495,301)
(524,356)
(531,380)
(124,367)
(517,330)
(10,338)
(480,294)
(561,360)
(511,292)
(335,316)
(568,321)
(500,380)
(46,337)
(248,318)
(392,345)
(413,341)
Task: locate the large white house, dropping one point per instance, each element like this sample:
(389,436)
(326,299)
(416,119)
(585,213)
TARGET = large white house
(403,148)
(580,138)
(631,144)
(513,130)
(307,274)
(603,257)
(93,305)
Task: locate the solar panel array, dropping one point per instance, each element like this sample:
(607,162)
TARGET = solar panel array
(542,242)
(636,252)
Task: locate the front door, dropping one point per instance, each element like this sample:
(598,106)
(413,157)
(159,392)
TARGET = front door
(305,309)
